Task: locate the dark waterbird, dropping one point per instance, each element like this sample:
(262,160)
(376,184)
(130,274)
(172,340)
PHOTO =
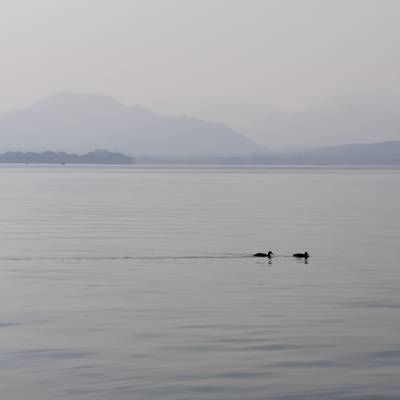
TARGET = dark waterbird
(268,255)
(301,255)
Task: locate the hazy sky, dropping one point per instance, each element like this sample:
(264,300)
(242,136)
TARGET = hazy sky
(180,54)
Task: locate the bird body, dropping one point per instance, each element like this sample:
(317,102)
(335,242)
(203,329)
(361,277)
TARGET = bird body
(267,255)
(301,255)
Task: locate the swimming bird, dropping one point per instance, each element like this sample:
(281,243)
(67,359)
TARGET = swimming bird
(268,255)
(301,255)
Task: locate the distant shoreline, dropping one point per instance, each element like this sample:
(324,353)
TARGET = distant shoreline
(205,167)
(50,157)
(372,154)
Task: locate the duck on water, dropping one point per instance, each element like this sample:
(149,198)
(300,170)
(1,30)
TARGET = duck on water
(301,255)
(268,255)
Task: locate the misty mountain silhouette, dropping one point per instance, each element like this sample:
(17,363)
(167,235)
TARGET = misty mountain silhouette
(362,118)
(382,153)
(81,122)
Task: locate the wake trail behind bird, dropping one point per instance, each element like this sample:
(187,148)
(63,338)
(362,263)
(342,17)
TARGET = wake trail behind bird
(102,258)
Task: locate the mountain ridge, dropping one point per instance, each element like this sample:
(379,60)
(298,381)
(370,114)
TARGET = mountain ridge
(81,122)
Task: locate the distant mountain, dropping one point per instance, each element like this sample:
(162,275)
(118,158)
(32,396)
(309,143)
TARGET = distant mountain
(384,153)
(79,123)
(51,157)
(362,118)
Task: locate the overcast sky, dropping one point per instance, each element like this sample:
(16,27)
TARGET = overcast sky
(179,55)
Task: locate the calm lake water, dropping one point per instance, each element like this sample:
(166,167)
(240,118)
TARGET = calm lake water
(136,283)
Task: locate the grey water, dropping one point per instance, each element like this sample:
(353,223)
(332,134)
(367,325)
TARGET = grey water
(138,283)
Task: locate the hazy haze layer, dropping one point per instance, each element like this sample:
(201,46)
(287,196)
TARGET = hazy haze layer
(226,60)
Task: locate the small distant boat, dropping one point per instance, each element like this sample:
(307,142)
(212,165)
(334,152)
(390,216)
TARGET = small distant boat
(267,255)
(301,255)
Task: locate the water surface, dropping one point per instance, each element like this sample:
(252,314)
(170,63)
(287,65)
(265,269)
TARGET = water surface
(137,283)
